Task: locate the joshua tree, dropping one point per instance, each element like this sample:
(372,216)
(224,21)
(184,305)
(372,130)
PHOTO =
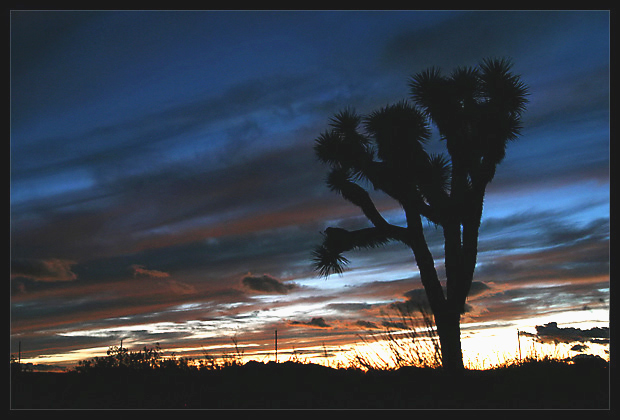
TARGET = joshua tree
(477,111)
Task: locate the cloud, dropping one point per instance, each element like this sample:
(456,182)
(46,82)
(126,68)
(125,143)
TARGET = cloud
(120,147)
(366,324)
(181,288)
(349,307)
(160,207)
(465,38)
(477,288)
(416,301)
(550,333)
(395,325)
(318,322)
(579,347)
(50,270)
(551,251)
(140,270)
(266,284)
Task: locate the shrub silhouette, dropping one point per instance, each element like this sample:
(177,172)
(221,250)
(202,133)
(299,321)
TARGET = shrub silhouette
(121,359)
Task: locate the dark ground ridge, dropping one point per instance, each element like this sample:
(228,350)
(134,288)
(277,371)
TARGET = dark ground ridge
(293,385)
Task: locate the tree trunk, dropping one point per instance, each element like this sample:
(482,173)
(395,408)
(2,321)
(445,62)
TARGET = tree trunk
(447,312)
(449,330)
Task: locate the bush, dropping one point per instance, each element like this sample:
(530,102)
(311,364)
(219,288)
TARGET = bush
(121,359)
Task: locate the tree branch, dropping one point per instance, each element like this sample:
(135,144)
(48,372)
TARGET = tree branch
(328,257)
(357,195)
(425,261)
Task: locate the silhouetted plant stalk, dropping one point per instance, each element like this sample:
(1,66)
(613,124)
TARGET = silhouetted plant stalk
(237,357)
(420,336)
(411,340)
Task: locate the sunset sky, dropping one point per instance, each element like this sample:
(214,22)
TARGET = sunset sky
(164,187)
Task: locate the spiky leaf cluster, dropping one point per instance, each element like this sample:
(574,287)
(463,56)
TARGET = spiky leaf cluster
(385,148)
(328,258)
(476,110)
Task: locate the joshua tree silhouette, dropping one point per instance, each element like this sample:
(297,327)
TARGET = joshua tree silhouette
(477,111)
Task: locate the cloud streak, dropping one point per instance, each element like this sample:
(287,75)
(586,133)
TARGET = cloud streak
(140,270)
(317,322)
(266,284)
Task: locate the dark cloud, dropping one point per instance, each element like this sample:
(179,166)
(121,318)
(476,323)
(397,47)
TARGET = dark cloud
(382,290)
(587,98)
(349,307)
(553,249)
(512,300)
(50,270)
(266,284)
(318,322)
(163,206)
(395,325)
(180,288)
(366,324)
(552,333)
(579,347)
(416,301)
(466,37)
(478,288)
(111,152)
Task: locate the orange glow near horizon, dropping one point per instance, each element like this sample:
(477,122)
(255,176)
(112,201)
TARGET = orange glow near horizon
(484,347)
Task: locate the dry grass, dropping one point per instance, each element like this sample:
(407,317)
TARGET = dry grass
(406,374)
